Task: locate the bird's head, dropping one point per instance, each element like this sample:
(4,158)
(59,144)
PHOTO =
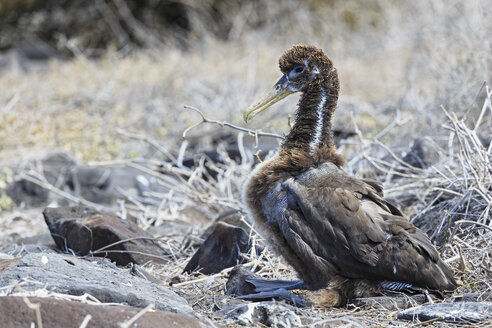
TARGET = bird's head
(302,67)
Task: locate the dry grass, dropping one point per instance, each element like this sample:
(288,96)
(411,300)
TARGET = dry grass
(398,63)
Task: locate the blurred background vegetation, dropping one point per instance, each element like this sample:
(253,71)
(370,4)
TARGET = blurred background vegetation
(73,72)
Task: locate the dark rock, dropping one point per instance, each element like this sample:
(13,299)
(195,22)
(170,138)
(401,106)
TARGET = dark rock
(222,249)
(61,313)
(98,277)
(91,183)
(261,313)
(101,185)
(105,185)
(85,230)
(224,145)
(466,312)
(231,217)
(223,148)
(58,161)
(234,218)
(28,193)
(421,155)
(485,139)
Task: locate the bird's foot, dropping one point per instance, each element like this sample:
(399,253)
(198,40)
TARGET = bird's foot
(243,284)
(281,294)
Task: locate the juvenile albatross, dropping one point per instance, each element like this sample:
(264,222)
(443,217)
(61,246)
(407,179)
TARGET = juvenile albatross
(336,230)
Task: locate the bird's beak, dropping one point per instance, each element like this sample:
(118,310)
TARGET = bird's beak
(280,91)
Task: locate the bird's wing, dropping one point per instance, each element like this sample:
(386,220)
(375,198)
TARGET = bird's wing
(343,224)
(378,190)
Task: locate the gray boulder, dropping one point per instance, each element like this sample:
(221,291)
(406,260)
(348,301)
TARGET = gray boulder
(98,277)
(465,312)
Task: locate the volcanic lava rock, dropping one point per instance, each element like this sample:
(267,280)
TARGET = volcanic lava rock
(231,217)
(61,313)
(92,183)
(30,194)
(84,230)
(222,249)
(461,312)
(98,277)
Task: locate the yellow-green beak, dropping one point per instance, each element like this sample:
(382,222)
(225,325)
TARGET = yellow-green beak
(280,91)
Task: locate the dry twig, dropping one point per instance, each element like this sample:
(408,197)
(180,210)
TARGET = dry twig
(255,133)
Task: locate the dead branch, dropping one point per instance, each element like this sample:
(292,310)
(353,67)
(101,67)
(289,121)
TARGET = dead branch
(460,222)
(255,133)
(41,181)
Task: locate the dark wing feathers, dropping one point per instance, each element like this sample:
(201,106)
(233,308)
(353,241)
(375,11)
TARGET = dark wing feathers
(376,185)
(353,231)
(309,211)
(296,235)
(378,188)
(342,226)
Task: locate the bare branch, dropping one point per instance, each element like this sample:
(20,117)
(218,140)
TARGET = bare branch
(40,180)
(460,222)
(255,133)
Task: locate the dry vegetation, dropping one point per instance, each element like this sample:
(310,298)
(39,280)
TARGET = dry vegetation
(408,70)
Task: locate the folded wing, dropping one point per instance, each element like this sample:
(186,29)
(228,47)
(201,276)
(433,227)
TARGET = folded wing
(335,224)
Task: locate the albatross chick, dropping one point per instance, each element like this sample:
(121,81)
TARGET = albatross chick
(334,229)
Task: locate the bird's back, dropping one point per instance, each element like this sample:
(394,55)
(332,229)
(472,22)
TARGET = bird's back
(332,224)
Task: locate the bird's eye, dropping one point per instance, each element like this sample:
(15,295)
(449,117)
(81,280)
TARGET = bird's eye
(296,71)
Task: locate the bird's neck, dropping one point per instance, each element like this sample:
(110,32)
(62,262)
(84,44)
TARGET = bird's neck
(311,133)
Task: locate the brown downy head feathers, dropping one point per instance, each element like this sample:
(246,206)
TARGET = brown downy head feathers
(299,54)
